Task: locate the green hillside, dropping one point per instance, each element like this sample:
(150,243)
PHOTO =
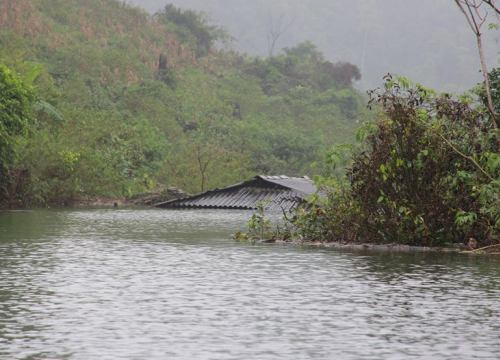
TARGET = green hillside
(121,103)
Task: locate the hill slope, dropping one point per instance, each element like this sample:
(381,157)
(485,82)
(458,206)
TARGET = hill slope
(127,103)
(427,40)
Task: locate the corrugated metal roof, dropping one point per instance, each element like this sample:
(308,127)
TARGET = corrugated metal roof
(275,192)
(302,184)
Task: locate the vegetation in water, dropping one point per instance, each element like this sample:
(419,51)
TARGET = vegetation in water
(113,102)
(260,227)
(427,174)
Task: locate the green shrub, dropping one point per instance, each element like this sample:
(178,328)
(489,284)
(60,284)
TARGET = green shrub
(429,174)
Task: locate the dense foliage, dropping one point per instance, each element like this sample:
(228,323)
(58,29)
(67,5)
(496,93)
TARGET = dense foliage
(191,28)
(428,174)
(126,103)
(15,115)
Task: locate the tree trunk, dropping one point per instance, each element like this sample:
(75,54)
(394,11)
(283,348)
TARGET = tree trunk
(487,84)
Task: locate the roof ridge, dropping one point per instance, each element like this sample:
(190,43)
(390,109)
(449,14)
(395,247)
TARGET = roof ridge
(305,177)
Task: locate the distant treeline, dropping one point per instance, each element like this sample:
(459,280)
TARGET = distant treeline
(410,38)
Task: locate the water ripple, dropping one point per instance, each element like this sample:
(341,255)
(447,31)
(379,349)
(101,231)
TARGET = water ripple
(170,284)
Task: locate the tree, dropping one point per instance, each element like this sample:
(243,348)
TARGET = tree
(343,73)
(15,113)
(276,30)
(476,18)
(193,28)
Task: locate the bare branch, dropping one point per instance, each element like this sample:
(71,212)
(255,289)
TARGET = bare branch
(482,18)
(491,3)
(472,17)
(276,31)
(461,7)
(467,157)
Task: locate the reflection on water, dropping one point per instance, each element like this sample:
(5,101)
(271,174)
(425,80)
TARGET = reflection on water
(171,284)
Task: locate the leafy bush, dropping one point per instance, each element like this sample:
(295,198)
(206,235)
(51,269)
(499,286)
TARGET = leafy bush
(429,174)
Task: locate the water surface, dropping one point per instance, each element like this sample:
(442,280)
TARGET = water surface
(172,285)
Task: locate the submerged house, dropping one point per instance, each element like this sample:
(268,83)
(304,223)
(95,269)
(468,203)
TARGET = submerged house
(276,193)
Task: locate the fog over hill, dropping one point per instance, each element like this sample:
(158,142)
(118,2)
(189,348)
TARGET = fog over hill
(426,40)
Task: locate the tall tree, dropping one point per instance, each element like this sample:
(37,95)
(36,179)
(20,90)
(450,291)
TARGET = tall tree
(476,17)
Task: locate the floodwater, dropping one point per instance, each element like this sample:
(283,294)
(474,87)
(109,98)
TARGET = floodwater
(148,284)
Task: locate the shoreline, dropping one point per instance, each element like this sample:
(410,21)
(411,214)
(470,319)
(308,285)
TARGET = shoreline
(123,203)
(392,248)
(100,202)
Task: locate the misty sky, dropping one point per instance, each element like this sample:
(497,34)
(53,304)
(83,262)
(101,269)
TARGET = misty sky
(427,40)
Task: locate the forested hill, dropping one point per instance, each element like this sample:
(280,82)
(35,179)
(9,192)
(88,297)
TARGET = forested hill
(426,40)
(120,102)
